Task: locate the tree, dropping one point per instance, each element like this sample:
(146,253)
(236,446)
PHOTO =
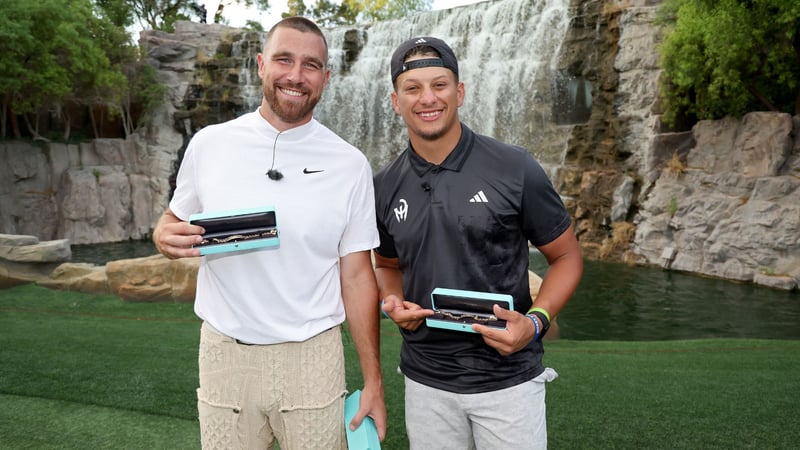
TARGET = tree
(162,14)
(329,14)
(262,5)
(728,57)
(118,12)
(376,10)
(349,12)
(50,59)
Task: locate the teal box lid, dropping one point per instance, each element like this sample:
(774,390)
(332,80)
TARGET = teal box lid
(365,437)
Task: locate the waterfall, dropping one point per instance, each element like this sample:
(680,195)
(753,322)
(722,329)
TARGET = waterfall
(506,50)
(246,50)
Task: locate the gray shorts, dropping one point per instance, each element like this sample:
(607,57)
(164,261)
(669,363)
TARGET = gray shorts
(511,418)
(251,394)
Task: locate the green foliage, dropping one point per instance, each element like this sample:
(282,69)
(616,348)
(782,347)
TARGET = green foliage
(672,207)
(59,57)
(52,56)
(376,10)
(329,14)
(728,57)
(146,91)
(30,55)
(349,12)
(118,12)
(161,14)
(254,25)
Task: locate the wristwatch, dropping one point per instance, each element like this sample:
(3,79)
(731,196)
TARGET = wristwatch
(545,323)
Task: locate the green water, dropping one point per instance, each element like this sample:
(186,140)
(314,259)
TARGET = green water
(100,254)
(618,302)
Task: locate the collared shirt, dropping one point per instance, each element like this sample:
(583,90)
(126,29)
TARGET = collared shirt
(466,224)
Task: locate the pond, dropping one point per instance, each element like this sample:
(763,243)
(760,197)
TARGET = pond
(100,254)
(619,302)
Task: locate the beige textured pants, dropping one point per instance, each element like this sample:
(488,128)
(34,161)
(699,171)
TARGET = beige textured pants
(251,394)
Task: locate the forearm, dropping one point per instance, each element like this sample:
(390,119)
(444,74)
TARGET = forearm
(364,330)
(565,269)
(360,294)
(389,277)
(559,284)
(165,220)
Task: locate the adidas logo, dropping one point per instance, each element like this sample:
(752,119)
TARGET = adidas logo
(480,197)
(421,41)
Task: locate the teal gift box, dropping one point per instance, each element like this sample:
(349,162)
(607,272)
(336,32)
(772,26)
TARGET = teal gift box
(236,230)
(456,309)
(365,437)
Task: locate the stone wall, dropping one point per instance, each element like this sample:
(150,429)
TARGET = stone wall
(728,207)
(106,190)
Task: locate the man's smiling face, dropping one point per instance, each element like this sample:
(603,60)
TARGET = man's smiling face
(294,73)
(428,100)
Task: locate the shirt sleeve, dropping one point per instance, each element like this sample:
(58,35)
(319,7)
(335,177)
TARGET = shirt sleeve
(185,201)
(544,217)
(361,232)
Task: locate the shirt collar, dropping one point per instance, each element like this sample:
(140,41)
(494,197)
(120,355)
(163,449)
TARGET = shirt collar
(454,161)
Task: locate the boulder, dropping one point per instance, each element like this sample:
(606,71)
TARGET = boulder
(153,278)
(24,259)
(80,277)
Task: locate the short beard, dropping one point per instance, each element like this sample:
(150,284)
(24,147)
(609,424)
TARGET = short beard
(292,113)
(431,135)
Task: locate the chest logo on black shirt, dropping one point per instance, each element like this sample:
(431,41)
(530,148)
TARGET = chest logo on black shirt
(480,197)
(401,212)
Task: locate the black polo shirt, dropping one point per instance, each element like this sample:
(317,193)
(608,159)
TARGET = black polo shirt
(466,224)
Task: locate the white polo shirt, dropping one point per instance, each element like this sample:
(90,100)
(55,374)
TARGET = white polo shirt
(324,207)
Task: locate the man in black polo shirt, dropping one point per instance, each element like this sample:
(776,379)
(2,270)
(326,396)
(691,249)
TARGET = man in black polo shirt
(457,210)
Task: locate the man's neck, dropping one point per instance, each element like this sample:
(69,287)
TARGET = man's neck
(280,125)
(436,151)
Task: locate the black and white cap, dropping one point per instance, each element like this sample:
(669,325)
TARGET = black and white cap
(447,58)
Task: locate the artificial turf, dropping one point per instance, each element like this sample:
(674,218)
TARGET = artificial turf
(92,371)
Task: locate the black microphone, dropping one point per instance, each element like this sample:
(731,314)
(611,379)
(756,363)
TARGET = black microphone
(274,174)
(426,186)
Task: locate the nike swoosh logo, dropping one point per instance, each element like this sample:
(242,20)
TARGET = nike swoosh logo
(306,171)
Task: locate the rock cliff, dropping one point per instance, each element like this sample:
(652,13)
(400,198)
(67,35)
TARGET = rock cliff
(720,199)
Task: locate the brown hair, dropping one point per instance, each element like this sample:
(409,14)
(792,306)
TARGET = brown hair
(298,23)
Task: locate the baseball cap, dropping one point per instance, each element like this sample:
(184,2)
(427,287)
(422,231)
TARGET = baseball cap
(447,60)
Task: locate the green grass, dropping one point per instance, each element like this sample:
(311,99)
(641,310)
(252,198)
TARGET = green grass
(88,371)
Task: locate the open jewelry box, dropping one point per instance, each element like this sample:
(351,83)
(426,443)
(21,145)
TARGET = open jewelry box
(241,229)
(455,309)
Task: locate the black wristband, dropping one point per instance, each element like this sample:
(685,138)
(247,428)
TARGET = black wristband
(545,323)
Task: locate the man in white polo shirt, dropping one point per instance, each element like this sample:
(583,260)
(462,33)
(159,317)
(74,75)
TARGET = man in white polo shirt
(271,357)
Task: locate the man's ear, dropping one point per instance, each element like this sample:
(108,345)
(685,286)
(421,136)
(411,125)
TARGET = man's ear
(395,106)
